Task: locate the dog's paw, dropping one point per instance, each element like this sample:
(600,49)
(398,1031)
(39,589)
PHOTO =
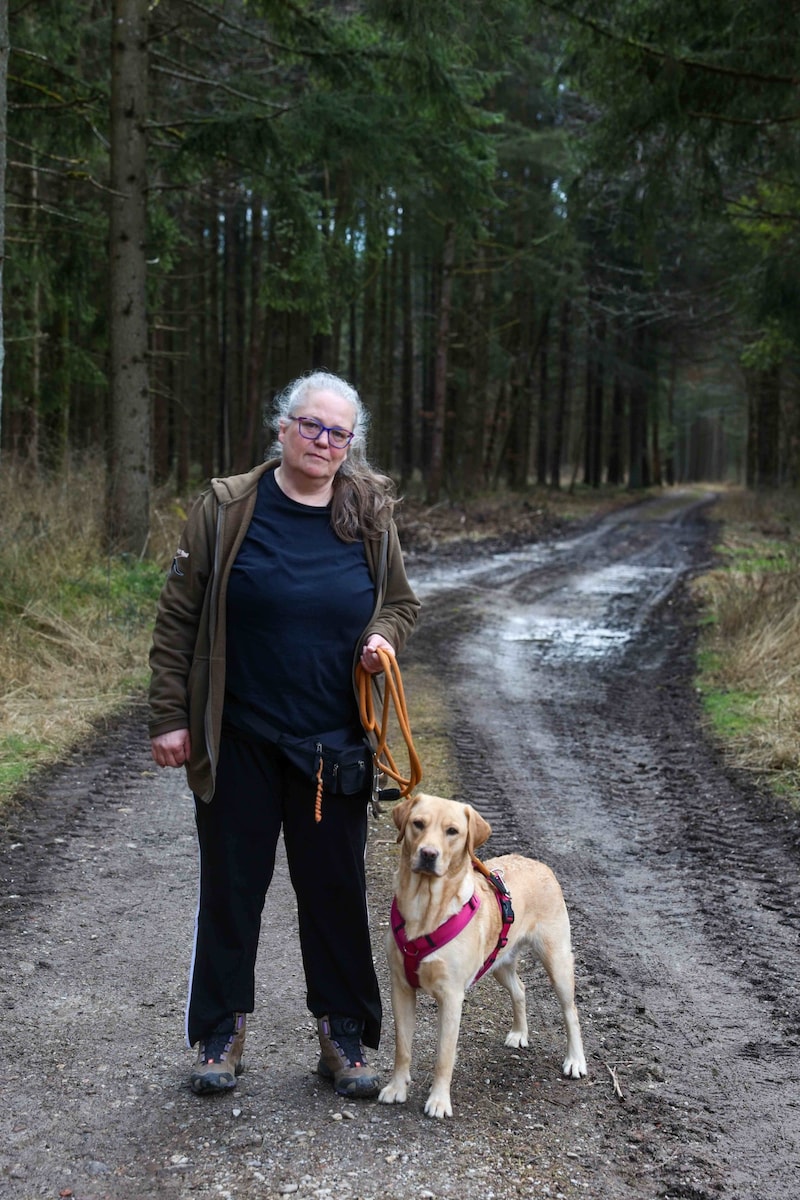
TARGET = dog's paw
(395,1092)
(516,1039)
(438,1106)
(574,1066)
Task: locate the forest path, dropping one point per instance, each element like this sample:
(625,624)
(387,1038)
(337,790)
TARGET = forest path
(567,668)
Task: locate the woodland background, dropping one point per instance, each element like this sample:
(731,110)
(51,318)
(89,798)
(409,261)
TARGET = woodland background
(550,247)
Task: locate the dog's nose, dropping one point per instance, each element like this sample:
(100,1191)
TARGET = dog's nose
(427,858)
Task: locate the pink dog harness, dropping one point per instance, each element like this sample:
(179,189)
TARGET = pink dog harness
(418,948)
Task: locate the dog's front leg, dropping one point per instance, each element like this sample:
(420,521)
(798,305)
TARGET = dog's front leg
(450,1004)
(404,1006)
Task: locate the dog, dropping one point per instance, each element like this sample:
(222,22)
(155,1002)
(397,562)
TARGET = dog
(436,882)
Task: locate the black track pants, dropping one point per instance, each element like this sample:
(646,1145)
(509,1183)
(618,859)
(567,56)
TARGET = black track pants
(257,793)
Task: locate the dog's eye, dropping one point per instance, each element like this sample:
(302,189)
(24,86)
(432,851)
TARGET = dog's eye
(418,824)
(452,831)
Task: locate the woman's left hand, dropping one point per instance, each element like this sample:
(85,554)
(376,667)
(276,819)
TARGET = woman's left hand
(369,657)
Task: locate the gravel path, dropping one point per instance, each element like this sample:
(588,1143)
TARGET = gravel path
(566,668)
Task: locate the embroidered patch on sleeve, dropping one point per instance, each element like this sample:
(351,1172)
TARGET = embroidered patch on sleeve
(179,554)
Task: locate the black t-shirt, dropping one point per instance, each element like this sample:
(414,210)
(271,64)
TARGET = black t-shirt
(298,600)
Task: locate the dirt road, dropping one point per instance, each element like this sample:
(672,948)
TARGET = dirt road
(566,667)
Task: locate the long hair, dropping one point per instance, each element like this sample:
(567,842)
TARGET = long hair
(363,499)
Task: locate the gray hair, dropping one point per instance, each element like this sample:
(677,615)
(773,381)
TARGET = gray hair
(294,397)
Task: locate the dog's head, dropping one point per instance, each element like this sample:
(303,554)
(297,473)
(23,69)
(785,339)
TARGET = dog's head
(438,835)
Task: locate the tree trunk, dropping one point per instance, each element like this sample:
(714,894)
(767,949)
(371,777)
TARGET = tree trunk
(365,378)
(657,478)
(669,461)
(37,450)
(768,427)
(637,416)
(435,473)
(543,434)
(519,436)
(408,441)
(560,413)
(616,463)
(385,446)
(208,352)
(247,451)
(128,514)
(751,451)
(3,112)
(238,280)
(473,426)
(595,387)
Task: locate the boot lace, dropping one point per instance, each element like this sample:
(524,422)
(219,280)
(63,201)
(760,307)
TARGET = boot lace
(218,1041)
(346,1033)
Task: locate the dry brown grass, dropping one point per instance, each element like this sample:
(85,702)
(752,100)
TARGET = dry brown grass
(74,622)
(750,653)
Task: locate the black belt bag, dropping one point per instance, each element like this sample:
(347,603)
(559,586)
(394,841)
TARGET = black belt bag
(344,759)
(346,769)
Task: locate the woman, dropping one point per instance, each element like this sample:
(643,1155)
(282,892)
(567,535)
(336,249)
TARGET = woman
(285,578)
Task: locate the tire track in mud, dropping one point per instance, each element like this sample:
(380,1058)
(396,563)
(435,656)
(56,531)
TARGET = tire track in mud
(578,735)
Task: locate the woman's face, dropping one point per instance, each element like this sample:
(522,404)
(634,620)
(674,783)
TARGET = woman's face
(317,459)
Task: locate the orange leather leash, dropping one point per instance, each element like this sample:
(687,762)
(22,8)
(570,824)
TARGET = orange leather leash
(393,694)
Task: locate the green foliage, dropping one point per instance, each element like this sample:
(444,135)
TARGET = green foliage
(766,351)
(640,161)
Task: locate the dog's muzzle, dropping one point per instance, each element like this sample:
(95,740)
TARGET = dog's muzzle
(426,861)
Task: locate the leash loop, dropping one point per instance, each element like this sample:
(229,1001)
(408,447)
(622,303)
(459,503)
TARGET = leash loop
(392,694)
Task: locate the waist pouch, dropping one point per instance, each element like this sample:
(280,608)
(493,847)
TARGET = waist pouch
(346,769)
(346,759)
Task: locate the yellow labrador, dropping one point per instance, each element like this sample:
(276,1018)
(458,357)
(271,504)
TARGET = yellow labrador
(447,923)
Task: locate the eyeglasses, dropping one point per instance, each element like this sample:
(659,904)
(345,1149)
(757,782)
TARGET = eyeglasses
(311,428)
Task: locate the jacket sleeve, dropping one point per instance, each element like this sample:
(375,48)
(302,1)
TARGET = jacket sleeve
(398,613)
(178,619)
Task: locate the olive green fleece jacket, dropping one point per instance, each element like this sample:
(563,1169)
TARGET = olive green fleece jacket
(187,659)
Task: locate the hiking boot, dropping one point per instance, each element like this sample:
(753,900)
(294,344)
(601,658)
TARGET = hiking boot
(219,1056)
(343,1059)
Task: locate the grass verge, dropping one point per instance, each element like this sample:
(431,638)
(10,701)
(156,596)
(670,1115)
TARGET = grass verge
(749,658)
(75,621)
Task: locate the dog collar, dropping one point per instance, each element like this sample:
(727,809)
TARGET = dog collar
(415,950)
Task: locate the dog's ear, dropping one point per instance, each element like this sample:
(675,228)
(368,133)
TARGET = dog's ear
(400,814)
(478,829)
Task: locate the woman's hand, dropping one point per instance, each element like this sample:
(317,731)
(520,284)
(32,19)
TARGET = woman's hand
(172,749)
(369,657)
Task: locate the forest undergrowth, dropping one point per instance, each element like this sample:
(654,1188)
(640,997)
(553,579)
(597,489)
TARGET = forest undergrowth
(75,621)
